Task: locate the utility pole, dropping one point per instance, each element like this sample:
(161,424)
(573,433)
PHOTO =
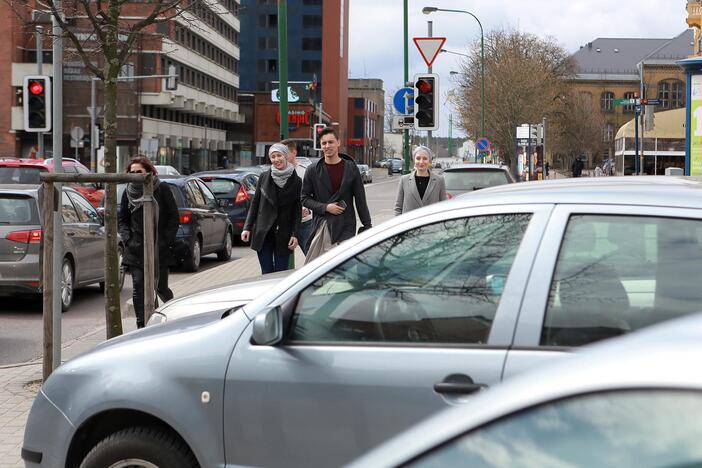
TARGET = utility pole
(430,33)
(450,136)
(405,132)
(40,71)
(283,66)
(57,149)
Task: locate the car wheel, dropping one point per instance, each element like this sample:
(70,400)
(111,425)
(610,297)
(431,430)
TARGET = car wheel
(192,263)
(226,252)
(67,278)
(146,447)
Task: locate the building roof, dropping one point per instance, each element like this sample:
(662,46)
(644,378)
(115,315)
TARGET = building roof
(619,56)
(668,124)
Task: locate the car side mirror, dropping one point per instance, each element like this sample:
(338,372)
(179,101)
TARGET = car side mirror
(268,327)
(101,213)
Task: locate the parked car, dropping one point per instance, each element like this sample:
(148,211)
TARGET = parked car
(21,237)
(166,170)
(366,173)
(234,192)
(631,402)
(26,171)
(379,337)
(396,165)
(204,226)
(463,178)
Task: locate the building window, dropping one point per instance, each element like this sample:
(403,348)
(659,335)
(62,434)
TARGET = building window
(311,43)
(629,95)
(608,134)
(606,101)
(677,94)
(358,126)
(664,94)
(312,21)
(311,66)
(358,103)
(272,21)
(272,65)
(311,2)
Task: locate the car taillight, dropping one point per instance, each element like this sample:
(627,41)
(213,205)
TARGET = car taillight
(242,196)
(186,217)
(449,196)
(25,237)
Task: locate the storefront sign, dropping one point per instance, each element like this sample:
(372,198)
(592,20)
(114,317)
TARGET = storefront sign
(696,126)
(296,118)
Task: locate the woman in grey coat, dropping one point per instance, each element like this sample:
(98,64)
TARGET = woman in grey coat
(420,187)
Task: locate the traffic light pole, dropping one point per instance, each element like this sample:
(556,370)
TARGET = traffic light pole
(405,132)
(430,33)
(283,66)
(40,71)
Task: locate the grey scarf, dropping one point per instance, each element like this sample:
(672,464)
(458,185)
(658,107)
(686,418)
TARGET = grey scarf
(280,177)
(135,195)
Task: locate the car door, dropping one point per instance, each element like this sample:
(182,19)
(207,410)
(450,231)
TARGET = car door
(391,331)
(92,255)
(220,225)
(201,214)
(76,238)
(604,271)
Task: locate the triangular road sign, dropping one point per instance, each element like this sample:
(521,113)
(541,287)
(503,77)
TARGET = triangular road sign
(429,47)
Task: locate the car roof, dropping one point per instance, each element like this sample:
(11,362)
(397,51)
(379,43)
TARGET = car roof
(19,188)
(658,357)
(226,173)
(17,162)
(468,167)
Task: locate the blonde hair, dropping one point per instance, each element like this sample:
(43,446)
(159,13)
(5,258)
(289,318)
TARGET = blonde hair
(422,148)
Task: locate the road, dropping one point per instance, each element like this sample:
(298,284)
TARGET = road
(21,318)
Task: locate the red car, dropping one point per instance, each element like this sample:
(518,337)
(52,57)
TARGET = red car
(26,171)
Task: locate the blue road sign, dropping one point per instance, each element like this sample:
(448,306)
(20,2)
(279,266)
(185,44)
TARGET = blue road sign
(483,144)
(399,100)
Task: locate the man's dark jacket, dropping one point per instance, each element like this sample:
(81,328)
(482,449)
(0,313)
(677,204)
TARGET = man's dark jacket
(577,167)
(317,194)
(272,208)
(131,228)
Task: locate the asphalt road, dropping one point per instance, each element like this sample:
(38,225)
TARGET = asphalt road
(21,324)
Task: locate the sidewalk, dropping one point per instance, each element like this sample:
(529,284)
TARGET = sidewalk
(19,383)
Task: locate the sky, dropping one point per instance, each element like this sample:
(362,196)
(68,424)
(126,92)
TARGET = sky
(376,31)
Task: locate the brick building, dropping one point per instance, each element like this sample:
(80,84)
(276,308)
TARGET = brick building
(366,118)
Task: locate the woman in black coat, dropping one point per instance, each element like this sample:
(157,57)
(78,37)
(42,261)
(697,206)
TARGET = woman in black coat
(131,229)
(273,220)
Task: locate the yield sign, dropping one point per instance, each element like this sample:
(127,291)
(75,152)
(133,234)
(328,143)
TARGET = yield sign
(429,47)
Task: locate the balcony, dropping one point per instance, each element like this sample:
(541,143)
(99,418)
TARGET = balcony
(694,14)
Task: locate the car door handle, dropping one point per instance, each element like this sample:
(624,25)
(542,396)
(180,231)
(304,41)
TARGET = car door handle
(458,384)
(70,233)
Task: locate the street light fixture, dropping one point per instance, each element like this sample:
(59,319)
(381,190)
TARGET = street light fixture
(428,10)
(454,53)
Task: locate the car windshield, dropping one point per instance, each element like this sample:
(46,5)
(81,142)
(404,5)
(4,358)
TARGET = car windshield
(17,210)
(20,175)
(219,186)
(474,179)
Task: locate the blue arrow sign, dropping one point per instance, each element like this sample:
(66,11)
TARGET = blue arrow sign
(483,144)
(399,103)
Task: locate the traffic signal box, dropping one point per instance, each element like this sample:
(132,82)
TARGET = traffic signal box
(37,103)
(317,130)
(426,101)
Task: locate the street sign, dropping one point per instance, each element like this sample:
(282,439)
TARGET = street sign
(403,104)
(429,47)
(523,132)
(651,102)
(483,144)
(98,111)
(77,133)
(624,102)
(402,122)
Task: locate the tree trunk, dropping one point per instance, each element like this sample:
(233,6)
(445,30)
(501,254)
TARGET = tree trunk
(113,314)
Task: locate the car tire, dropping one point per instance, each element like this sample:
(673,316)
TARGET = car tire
(226,252)
(140,446)
(192,263)
(67,284)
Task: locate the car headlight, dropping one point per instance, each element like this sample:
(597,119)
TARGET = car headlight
(156,318)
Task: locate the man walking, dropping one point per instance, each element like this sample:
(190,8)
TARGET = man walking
(329,189)
(306,223)
(577,167)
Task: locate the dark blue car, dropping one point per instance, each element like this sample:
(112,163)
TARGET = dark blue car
(234,191)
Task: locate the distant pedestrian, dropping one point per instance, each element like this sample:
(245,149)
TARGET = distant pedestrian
(421,187)
(577,167)
(330,188)
(131,230)
(547,169)
(273,220)
(598,171)
(306,222)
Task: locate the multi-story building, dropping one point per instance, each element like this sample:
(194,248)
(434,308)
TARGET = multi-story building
(366,118)
(694,20)
(616,68)
(188,127)
(317,45)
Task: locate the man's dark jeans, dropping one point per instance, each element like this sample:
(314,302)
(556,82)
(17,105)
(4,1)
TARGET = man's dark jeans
(305,232)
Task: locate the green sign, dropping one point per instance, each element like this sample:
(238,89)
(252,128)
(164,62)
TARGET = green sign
(624,102)
(695,130)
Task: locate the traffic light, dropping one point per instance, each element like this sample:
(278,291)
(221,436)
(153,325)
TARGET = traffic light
(426,101)
(100,132)
(37,103)
(317,130)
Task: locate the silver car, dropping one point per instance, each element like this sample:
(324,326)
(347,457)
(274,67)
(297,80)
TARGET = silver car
(463,178)
(366,173)
(21,237)
(635,401)
(409,317)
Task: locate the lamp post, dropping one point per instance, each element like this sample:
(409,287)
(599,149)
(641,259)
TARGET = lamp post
(454,53)
(428,10)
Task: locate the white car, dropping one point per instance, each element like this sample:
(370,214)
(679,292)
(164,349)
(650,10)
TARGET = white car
(167,170)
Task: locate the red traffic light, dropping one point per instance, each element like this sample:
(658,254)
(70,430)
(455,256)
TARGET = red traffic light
(424,86)
(36,88)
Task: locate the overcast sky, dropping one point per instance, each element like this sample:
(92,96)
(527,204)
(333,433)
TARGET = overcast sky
(375,31)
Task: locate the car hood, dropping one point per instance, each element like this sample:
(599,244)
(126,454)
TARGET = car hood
(220,298)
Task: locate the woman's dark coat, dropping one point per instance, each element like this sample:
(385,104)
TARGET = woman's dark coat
(272,208)
(131,228)
(317,194)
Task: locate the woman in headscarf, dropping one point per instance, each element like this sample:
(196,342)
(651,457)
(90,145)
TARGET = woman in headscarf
(131,229)
(420,187)
(273,220)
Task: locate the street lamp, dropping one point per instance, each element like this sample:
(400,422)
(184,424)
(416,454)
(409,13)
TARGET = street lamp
(454,53)
(428,10)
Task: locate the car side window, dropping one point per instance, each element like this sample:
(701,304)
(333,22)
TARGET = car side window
(439,283)
(617,274)
(195,195)
(86,212)
(653,428)
(68,211)
(210,199)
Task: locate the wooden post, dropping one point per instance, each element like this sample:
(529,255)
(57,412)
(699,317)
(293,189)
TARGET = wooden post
(47,239)
(149,240)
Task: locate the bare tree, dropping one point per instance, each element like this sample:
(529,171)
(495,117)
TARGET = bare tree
(577,128)
(103,33)
(523,74)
